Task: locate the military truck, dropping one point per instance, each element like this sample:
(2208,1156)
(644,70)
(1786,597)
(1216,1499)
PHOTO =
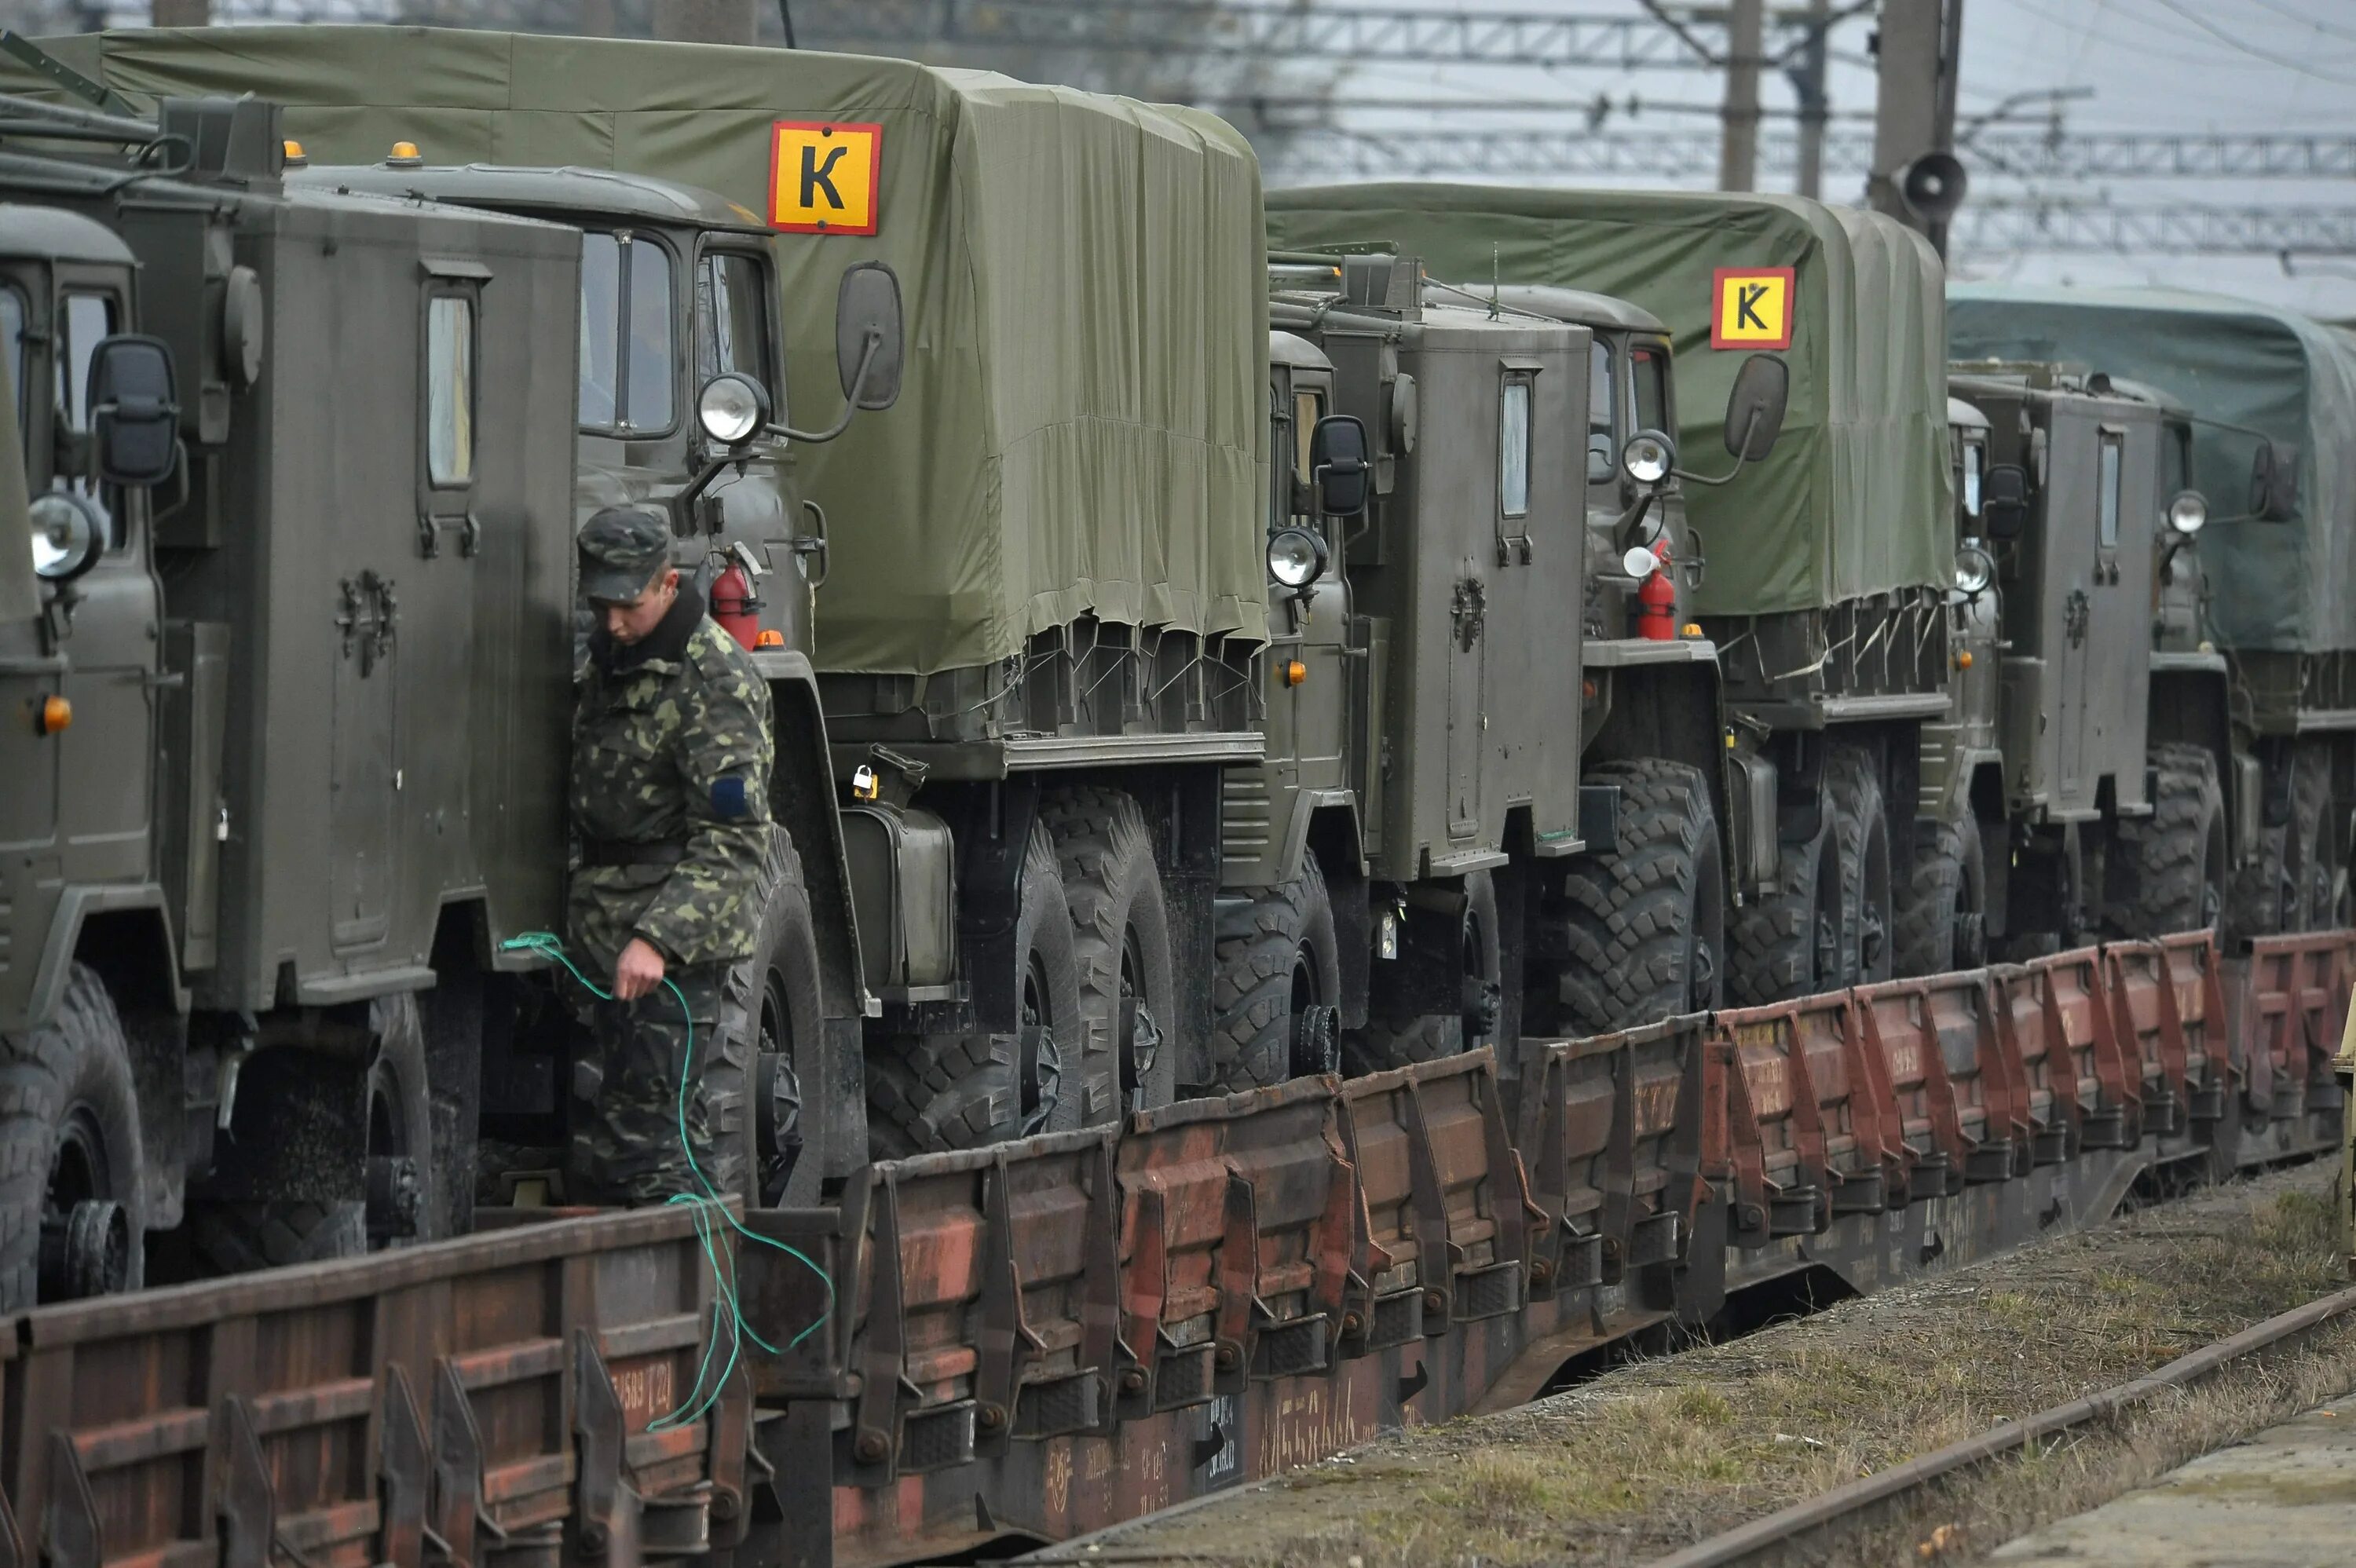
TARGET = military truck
(2048,819)
(2272,402)
(1422,705)
(285,767)
(1827,561)
(1035,637)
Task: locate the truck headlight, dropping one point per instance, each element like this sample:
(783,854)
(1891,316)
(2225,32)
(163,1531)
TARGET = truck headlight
(69,535)
(1648,457)
(2188,513)
(1296,558)
(1974,570)
(732,409)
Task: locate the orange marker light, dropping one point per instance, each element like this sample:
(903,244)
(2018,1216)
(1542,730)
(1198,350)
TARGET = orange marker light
(405,156)
(296,158)
(1295,672)
(56,714)
(1963,659)
(771,638)
(1692,628)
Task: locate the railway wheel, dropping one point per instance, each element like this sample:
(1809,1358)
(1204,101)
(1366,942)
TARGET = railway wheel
(962,1091)
(1473,949)
(1787,944)
(72,1217)
(1279,984)
(2321,875)
(1121,948)
(1646,920)
(772,1017)
(1861,835)
(1941,908)
(2169,871)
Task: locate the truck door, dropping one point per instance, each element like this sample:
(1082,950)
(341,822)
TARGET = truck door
(2118,679)
(106,758)
(1317,707)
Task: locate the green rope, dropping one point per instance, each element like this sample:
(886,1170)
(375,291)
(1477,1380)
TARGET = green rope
(704,1204)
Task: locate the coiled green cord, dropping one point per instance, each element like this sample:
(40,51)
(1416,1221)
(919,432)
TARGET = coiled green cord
(706,1203)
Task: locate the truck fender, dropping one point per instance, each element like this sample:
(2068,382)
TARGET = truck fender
(75,907)
(801,797)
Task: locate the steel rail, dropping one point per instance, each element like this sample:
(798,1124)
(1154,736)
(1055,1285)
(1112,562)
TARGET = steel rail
(1745,1541)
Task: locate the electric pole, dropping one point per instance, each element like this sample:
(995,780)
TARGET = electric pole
(1808,84)
(705,21)
(1914,113)
(1738,159)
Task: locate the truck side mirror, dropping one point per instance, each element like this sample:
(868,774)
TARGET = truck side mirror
(2274,483)
(869,338)
(1337,460)
(1755,413)
(2004,500)
(134,413)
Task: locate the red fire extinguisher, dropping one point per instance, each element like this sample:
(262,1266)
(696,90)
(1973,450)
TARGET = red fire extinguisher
(1656,600)
(734,605)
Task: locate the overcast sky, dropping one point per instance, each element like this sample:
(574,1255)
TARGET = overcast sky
(2154,64)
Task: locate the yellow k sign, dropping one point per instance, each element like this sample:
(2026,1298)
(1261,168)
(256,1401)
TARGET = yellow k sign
(1751,307)
(824,176)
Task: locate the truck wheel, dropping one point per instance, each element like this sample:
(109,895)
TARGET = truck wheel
(2322,874)
(2264,897)
(275,1146)
(942,1092)
(1862,832)
(772,1006)
(1942,908)
(1397,1041)
(2169,873)
(1279,981)
(1788,943)
(72,1210)
(1120,946)
(1647,921)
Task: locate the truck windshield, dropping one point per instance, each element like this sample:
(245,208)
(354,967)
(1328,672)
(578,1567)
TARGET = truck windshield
(1649,368)
(732,321)
(626,352)
(1601,413)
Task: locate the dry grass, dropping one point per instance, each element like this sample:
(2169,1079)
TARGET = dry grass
(1657,1453)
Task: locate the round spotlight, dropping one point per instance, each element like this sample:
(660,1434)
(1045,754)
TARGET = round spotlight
(1974,569)
(1648,457)
(2188,513)
(69,535)
(732,409)
(1296,558)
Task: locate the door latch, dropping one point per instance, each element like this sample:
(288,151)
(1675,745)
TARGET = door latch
(366,616)
(1469,609)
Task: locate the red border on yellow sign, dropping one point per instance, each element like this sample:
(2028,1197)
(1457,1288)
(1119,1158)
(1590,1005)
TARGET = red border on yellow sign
(1718,282)
(874,129)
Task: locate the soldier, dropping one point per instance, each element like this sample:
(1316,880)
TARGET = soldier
(671,750)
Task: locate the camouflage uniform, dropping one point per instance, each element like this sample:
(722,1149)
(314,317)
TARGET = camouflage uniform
(671,753)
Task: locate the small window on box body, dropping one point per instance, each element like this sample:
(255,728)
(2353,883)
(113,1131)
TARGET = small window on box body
(1514,447)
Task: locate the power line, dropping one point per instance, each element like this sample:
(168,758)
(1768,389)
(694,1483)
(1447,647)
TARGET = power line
(1987,228)
(1312,154)
(1268,28)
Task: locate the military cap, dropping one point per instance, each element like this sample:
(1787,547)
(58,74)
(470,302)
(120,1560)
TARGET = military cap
(621,549)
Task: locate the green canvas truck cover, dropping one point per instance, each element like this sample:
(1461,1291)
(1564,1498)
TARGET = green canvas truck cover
(1083,418)
(2275,587)
(1854,499)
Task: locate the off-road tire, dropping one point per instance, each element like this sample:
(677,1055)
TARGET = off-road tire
(1946,884)
(1786,943)
(77,1068)
(2323,867)
(239,1234)
(2168,871)
(927,1092)
(1387,1042)
(1646,923)
(1114,892)
(240,1238)
(785,952)
(1261,945)
(2263,900)
(1862,838)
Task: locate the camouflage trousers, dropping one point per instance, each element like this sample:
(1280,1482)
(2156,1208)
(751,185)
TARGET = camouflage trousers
(626,1113)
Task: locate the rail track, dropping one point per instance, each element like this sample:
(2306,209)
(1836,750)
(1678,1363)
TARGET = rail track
(1034,1341)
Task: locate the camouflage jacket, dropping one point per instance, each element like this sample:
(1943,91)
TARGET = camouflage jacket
(671,750)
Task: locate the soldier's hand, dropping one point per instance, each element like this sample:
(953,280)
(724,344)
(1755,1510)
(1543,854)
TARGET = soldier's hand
(638,971)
